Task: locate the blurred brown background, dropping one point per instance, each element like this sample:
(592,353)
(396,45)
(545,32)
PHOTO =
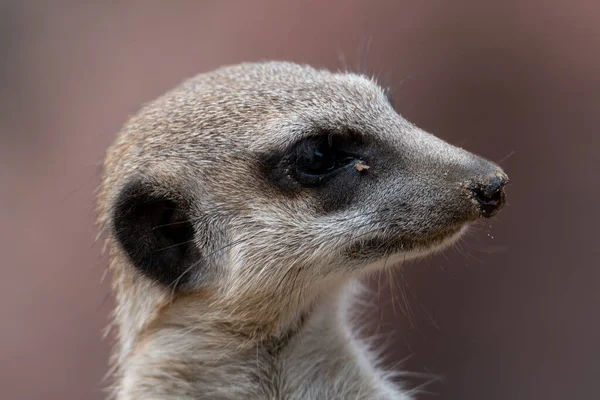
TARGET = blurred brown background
(508,315)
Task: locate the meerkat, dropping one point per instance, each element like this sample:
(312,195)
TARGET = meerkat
(241,209)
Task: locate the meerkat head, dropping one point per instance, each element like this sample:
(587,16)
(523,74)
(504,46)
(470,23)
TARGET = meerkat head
(270,181)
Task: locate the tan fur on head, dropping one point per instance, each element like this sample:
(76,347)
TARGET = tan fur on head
(239,209)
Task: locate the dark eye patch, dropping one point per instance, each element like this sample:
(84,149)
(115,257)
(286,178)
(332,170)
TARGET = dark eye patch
(321,165)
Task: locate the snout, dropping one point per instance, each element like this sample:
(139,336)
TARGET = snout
(487,192)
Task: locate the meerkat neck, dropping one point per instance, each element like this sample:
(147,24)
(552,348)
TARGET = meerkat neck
(209,349)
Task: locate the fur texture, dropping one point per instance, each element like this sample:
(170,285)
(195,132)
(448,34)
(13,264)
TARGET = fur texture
(240,209)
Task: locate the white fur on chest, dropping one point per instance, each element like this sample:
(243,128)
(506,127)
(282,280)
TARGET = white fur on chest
(327,361)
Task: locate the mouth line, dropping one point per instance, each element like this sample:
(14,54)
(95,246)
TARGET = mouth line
(436,239)
(380,247)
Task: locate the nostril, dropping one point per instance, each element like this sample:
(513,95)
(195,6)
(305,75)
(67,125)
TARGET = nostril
(489,195)
(489,203)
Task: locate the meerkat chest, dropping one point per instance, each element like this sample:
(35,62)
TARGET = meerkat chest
(324,361)
(318,366)
(321,360)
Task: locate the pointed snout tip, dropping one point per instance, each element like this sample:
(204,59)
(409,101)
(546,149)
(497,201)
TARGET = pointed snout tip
(487,192)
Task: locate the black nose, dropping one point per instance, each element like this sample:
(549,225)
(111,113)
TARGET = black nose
(488,193)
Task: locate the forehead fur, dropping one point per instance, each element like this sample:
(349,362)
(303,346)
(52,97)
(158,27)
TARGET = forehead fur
(239,101)
(233,111)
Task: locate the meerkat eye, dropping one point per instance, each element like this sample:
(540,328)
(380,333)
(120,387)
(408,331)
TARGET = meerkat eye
(319,158)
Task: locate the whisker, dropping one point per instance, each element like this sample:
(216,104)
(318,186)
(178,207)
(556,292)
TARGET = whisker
(379,272)
(193,265)
(187,221)
(366,54)
(506,157)
(342,60)
(104,301)
(174,245)
(419,389)
(392,292)
(408,311)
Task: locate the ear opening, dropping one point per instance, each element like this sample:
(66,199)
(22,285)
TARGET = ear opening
(157,234)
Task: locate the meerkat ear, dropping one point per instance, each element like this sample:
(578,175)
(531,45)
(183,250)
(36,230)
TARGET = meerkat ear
(157,234)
